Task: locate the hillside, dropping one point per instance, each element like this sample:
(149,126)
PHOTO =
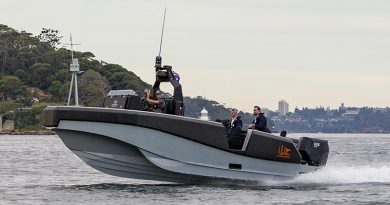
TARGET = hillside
(34,73)
(34,67)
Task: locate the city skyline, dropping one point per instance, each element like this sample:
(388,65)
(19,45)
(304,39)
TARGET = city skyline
(309,53)
(291,109)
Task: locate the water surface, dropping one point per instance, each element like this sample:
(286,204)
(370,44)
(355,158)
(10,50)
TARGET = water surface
(41,170)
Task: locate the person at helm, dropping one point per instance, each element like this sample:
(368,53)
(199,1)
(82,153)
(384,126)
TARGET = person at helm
(158,105)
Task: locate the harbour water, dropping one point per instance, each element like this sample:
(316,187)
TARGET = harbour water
(41,170)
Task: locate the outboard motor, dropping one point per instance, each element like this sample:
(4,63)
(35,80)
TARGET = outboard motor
(314,151)
(122,99)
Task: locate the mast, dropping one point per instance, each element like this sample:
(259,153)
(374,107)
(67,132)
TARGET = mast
(74,69)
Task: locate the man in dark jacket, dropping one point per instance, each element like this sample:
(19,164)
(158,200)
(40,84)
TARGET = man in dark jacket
(235,121)
(260,121)
(233,130)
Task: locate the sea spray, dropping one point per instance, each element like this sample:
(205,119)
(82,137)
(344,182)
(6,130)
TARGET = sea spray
(339,175)
(346,175)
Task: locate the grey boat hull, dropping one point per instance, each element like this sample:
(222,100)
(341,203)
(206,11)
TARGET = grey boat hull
(143,153)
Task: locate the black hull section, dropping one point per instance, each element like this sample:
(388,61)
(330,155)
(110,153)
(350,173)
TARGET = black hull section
(259,145)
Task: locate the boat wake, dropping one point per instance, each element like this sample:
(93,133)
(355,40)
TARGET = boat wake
(344,175)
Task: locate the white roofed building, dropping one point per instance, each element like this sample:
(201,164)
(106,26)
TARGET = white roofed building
(204,115)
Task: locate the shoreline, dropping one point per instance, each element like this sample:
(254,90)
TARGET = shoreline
(40,132)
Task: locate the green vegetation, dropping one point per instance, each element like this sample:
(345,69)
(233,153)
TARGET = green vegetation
(9,105)
(29,118)
(11,86)
(33,67)
(35,61)
(34,72)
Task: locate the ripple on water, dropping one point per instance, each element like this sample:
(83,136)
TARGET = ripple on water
(41,170)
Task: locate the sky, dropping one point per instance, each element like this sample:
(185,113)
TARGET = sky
(238,52)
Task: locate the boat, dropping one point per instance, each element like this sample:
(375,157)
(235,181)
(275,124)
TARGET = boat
(121,140)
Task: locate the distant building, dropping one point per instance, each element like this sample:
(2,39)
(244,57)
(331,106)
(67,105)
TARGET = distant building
(353,112)
(37,94)
(342,107)
(350,114)
(283,108)
(204,115)
(382,110)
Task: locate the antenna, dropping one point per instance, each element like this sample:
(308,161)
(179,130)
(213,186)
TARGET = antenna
(158,62)
(162,31)
(74,69)
(71,45)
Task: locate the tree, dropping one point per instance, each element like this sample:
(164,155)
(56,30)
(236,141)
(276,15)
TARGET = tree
(88,55)
(22,75)
(11,86)
(62,75)
(42,75)
(93,88)
(64,92)
(7,37)
(120,78)
(54,89)
(50,36)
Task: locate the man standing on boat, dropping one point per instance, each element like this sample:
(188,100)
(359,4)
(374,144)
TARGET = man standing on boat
(234,124)
(260,121)
(233,130)
(235,121)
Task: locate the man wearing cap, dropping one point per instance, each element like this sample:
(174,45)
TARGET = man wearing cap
(260,121)
(158,105)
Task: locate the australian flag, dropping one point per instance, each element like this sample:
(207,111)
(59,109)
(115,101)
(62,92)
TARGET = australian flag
(176,76)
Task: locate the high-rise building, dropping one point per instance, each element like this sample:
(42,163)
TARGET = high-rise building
(342,108)
(283,108)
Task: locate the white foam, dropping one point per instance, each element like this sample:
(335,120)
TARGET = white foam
(346,175)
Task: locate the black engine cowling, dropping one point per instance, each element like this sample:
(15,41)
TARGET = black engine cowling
(314,151)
